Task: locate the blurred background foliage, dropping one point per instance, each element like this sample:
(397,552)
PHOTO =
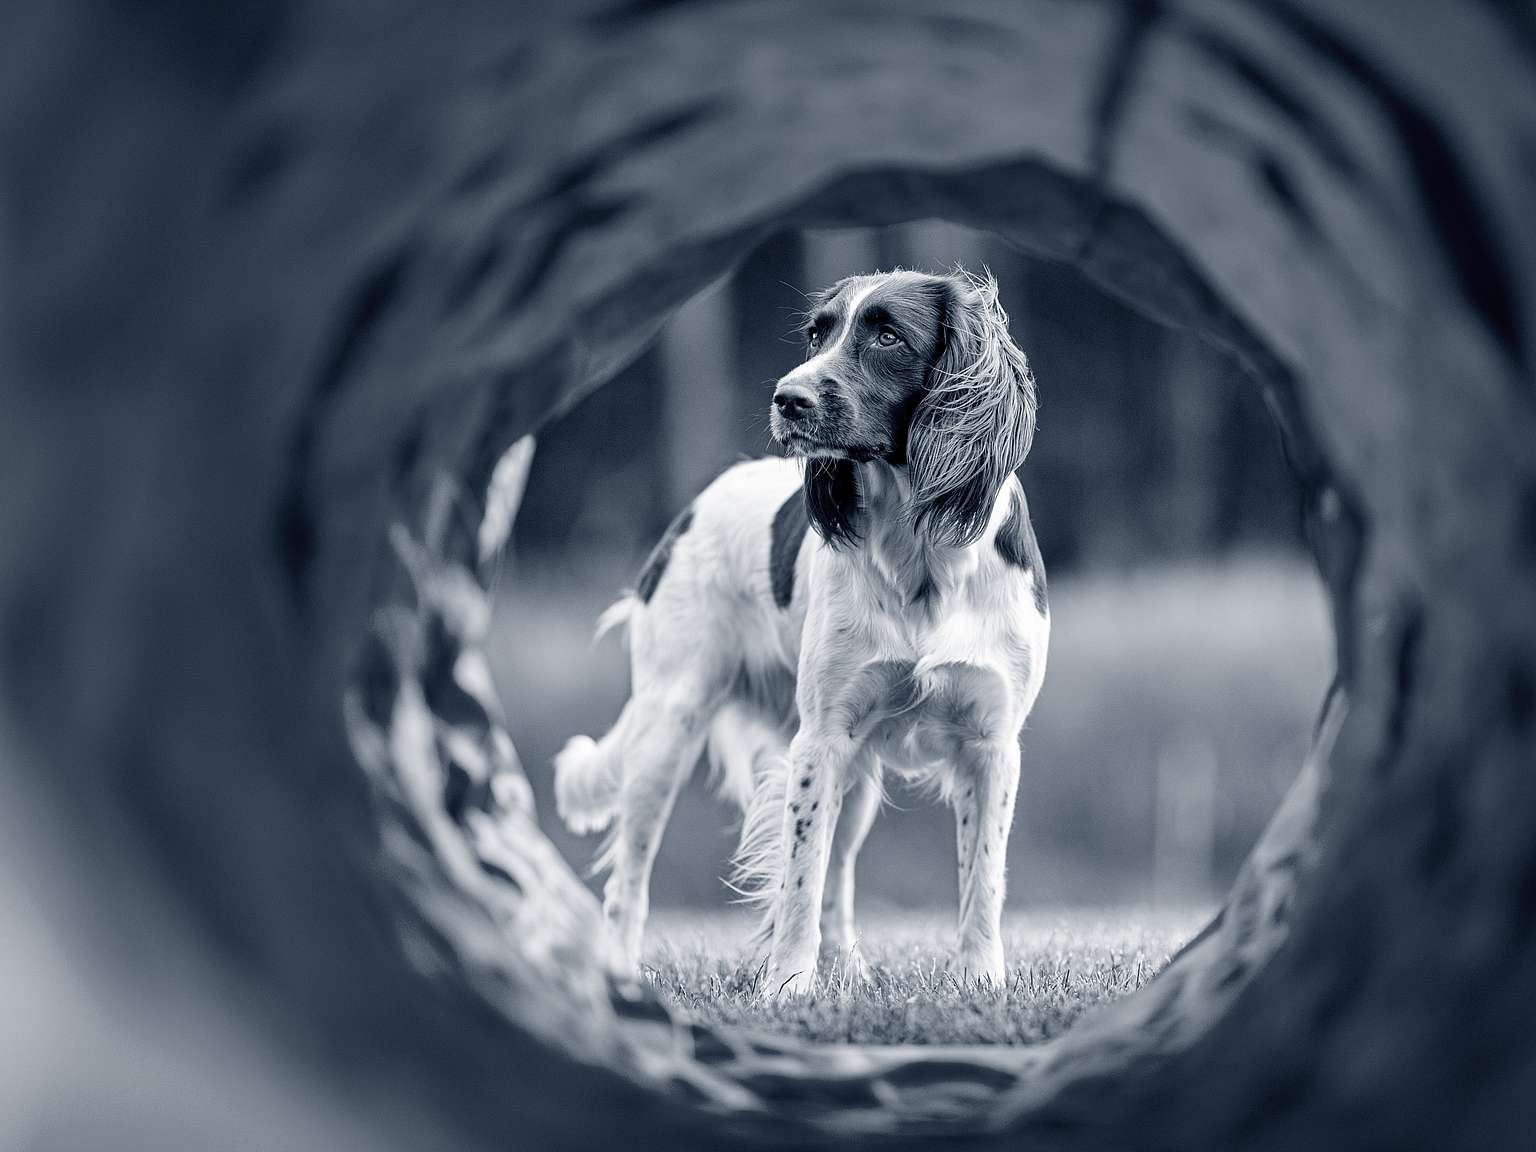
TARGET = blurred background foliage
(1190,644)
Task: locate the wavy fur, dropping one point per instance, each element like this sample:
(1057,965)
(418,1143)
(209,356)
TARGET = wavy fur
(975,426)
(832,501)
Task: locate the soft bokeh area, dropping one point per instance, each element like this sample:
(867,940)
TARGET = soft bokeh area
(1190,642)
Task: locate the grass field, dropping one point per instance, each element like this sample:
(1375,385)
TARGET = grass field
(1061,963)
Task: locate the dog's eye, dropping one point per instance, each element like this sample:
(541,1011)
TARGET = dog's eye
(888,336)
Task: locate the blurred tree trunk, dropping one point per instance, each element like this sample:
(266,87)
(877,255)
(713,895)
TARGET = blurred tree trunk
(830,256)
(768,340)
(1196,406)
(932,246)
(700,390)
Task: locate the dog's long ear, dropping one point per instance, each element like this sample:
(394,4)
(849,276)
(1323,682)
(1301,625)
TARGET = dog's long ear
(975,423)
(832,500)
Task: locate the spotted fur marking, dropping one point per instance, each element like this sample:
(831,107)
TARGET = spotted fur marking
(1017,545)
(661,555)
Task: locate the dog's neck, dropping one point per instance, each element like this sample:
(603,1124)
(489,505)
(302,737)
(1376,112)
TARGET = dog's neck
(904,565)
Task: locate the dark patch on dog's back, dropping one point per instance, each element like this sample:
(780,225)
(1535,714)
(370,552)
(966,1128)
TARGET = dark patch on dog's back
(790,524)
(661,555)
(1017,545)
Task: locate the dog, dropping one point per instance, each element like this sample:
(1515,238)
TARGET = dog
(874,604)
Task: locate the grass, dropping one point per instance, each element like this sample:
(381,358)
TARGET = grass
(1061,964)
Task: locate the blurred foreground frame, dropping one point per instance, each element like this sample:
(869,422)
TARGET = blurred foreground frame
(283,282)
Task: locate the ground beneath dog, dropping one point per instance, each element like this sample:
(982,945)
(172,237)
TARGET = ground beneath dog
(1062,963)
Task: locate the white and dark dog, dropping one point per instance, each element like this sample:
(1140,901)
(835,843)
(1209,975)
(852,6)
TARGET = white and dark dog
(907,633)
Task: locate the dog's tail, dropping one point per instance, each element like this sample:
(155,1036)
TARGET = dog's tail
(588,775)
(616,614)
(588,772)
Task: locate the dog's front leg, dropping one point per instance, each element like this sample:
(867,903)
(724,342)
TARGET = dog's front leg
(818,765)
(984,800)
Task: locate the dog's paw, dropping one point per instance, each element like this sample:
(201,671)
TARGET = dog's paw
(799,982)
(980,968)
(618,945)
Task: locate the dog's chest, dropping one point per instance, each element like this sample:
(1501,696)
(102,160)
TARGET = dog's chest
(928,611)
(920,652)
(921,680)
(913,713)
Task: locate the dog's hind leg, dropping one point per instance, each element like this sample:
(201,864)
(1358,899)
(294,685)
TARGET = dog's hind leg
(663,738)
(860,805)
(744,743)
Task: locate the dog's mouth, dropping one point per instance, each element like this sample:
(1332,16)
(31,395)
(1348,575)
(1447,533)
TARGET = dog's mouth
(814,442)
(801,444)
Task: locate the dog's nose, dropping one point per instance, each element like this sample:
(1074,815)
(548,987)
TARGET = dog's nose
(793,401)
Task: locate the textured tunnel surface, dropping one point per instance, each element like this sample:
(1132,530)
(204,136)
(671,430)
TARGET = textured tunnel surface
(402,246)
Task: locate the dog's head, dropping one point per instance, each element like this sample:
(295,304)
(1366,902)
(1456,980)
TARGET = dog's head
(918,371)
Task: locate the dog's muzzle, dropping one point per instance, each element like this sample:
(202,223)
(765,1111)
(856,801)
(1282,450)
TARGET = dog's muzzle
(794,403)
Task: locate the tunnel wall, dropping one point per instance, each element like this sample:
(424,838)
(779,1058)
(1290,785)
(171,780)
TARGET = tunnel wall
(273,278)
